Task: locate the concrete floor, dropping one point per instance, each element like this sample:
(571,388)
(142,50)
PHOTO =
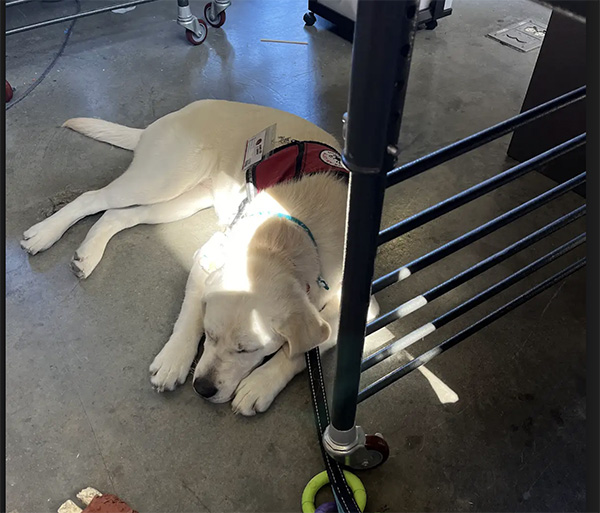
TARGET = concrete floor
(80,409)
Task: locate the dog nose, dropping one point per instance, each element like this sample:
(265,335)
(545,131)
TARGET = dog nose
(204,387)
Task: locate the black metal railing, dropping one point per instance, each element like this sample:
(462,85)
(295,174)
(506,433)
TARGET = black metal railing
(474,141)
(476,234)
(383,40)
(369,154)
(426,357)
(441,289)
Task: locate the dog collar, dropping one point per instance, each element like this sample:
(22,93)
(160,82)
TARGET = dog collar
(320,281)
(211,253)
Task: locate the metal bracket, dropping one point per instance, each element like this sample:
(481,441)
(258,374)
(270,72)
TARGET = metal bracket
(348,162)
(219,6)
(187,20)
(393,150)
(344,126)
(348,448)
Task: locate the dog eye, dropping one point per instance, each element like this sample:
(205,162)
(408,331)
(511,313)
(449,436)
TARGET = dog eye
(242,350)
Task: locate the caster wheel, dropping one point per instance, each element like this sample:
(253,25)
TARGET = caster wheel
(9,92)
(213,21)
(378,449)
(309,19)
(430,25)
(193,38)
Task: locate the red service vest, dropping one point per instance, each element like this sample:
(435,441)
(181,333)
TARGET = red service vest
(292,161)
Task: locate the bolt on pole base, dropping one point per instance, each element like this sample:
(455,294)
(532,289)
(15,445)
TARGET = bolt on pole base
(353,448)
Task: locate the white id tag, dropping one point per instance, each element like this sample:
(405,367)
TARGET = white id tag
(259,146)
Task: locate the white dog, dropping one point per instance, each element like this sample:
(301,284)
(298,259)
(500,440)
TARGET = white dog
(276,289)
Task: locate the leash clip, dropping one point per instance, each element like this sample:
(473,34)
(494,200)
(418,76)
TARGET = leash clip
(322,283)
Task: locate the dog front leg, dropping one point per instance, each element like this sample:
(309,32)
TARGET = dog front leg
(256,392)
(172,365)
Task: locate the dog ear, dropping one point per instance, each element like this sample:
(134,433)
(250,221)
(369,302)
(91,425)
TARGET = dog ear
(303,330)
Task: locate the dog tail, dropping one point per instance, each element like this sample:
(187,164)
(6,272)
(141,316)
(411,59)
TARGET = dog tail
(105,131)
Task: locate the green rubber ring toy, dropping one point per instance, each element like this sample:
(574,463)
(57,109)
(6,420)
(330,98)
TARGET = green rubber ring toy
(320,480)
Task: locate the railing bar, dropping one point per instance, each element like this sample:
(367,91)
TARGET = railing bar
(478,139)
(75,16)
(475,234)
(426,357)
(477,269)
(17,2)
(478,190)
(420,333)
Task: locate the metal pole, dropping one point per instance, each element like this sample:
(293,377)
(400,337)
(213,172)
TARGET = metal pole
(476,234)
(17,2)
(384,34)
(472,193)
(420,301)
(478,139)
(75,16)
(442,320)
(426,357)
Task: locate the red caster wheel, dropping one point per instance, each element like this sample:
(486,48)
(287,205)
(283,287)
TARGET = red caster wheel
(9,92)
(378,449)
(214,21)
(195,39)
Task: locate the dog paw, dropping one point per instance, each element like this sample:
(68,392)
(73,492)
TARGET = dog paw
(38,238)
(83,264)
(254,394)
(171,367)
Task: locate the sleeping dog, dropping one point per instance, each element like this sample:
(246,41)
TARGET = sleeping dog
(271,288)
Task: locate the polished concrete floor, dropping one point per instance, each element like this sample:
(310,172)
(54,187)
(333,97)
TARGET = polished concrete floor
(496,424)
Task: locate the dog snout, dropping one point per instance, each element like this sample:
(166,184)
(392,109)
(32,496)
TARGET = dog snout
(205,388)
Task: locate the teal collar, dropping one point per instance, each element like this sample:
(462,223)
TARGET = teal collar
(320,281)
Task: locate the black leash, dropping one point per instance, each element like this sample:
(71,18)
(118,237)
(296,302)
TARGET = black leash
(341,490)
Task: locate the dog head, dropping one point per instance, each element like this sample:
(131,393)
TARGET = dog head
(272,311)
(243,328)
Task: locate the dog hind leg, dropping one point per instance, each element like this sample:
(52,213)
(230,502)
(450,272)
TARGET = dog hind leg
(89,254)
(162,169)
